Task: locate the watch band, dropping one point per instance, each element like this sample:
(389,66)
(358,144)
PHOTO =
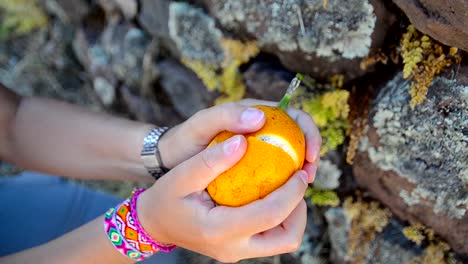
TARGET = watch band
(150,153)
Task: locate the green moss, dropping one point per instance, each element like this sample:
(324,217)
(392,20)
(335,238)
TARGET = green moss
(322,197)
(20,17)
(330,112)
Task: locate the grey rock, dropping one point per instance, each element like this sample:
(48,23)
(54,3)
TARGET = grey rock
(338,227)
(195,33)
(414,161)
(388,247)
(40,64)
(68,11)
(431,154)
(266,82)
(437,18)
(125,45)
(154,18)
(305,36)
(104,90)
(328,175)
(148,109)
(127,8)
(186,92)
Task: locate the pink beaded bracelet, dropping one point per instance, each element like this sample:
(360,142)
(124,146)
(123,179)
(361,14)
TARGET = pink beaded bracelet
(134,215)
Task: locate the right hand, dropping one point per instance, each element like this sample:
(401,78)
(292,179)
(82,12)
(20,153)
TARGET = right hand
(177,210)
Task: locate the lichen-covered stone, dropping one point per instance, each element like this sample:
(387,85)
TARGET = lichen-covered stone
(195,34)
(414,161)
(303,33)
(432,154)
(444,21)
(186,92)
(390,246)
(343,29)
(328,176)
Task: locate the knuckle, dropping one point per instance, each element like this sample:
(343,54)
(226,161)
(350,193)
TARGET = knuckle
(273,216)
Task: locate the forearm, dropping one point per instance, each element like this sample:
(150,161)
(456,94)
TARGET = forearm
(87,244)
(61,139)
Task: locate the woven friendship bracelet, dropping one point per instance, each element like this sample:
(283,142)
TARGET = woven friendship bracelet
(127,227)
(118,240)
(139,228)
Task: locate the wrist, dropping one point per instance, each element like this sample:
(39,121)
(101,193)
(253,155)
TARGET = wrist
(166,143)
(149,214)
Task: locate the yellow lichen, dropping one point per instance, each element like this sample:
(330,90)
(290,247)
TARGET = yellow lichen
(226,79)
(418,232)
(206,73)
(20,17)
(436,253)
(414,234)
(423,59)
(330,112)
(367,219)
(320,197)
(373,59)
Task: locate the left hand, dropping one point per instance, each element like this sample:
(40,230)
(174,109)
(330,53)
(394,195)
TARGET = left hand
(191,137)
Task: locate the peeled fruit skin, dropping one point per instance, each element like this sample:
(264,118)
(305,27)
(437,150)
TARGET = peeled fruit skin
(265,165)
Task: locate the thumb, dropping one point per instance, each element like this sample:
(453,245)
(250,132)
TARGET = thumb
(195,174)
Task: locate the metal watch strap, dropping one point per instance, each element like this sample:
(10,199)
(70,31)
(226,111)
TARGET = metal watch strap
(150,152)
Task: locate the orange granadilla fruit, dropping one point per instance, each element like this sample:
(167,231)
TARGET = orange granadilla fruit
(273,154)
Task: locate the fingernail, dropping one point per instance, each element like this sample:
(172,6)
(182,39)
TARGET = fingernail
(251,116)
(304,177)
(231,145)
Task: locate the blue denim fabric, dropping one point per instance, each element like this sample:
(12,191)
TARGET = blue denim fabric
(37,208)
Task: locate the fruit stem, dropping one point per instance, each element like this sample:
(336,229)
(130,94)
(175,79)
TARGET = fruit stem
(283,104)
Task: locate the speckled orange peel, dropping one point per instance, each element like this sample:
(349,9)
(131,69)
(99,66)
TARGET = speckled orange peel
(273,154)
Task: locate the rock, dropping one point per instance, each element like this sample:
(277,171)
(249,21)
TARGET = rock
(127,8)
(117,54)
(125,45)
(186,92)
(104,90)
(266,81)
(149,110)
(195,34)
(389,246)
(444,21)
(68,11)
(338,227)
(306,36)
(40,64)
(414,161)
(328,176)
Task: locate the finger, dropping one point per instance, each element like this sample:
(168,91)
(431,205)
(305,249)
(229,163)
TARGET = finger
(233,117)
(195,174)
(311,134)
(265,213)
(283,238)
(252,102)
(311,170)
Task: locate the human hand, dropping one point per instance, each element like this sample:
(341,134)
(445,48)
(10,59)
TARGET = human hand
(194,135)
(178,210)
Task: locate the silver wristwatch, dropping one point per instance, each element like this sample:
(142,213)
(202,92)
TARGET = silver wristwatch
(150,153)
